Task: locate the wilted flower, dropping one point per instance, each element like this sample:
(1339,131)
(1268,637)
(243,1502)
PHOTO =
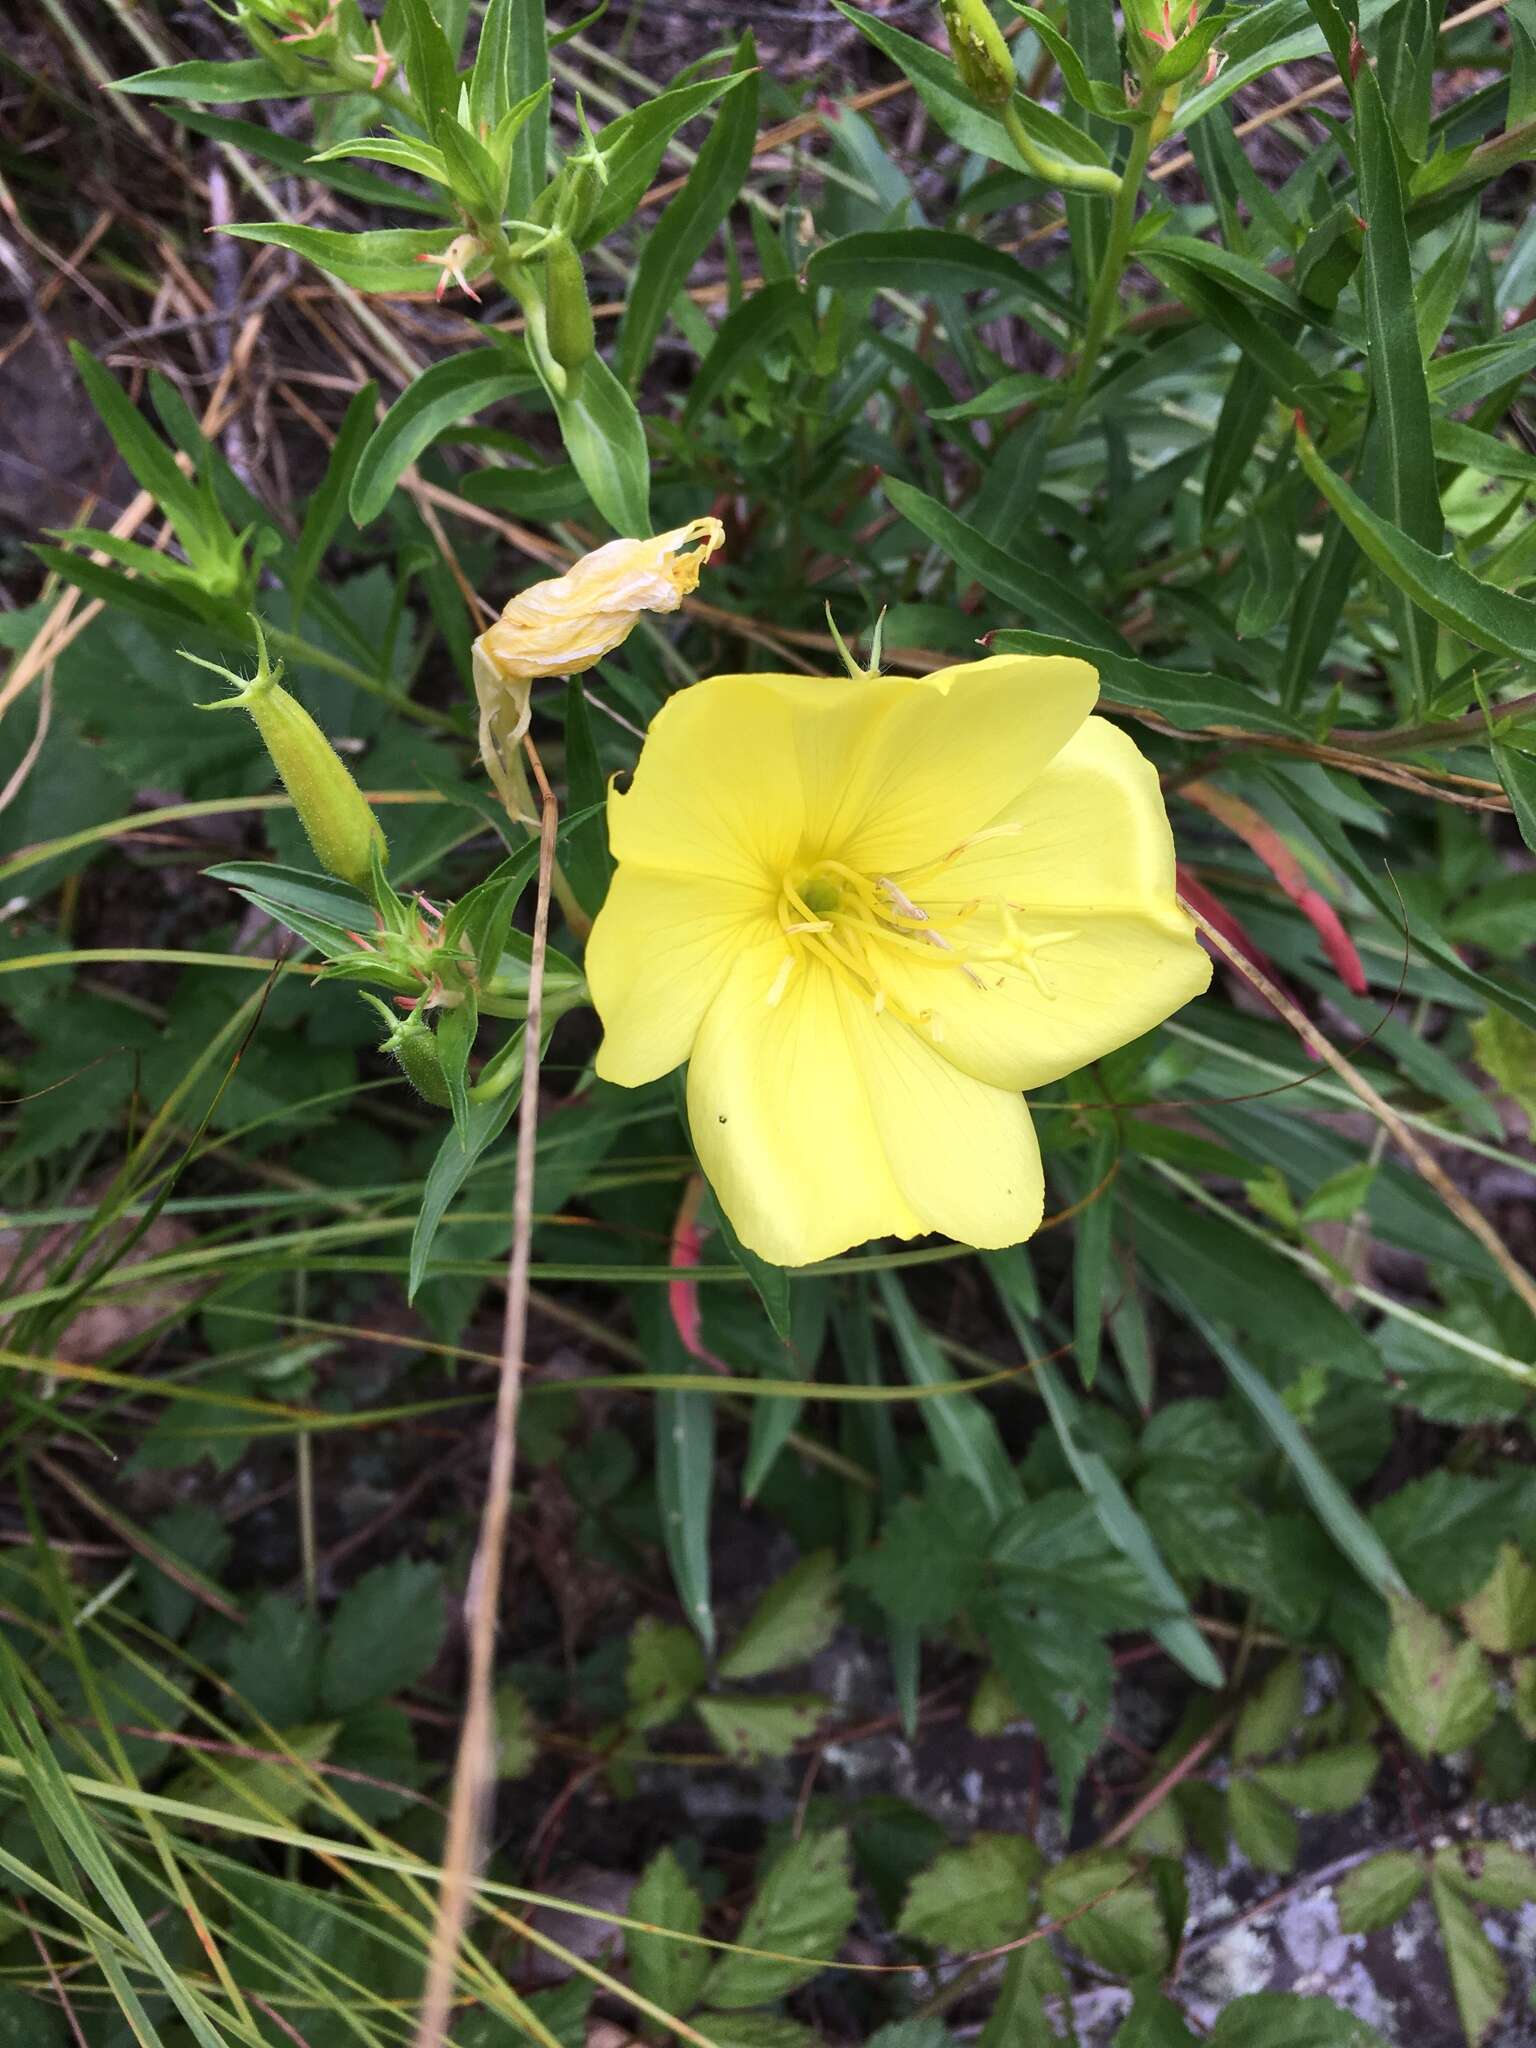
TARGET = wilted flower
(564,625)
(869,913)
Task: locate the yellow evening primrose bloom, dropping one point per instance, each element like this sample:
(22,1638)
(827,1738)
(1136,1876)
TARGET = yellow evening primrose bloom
(869,914)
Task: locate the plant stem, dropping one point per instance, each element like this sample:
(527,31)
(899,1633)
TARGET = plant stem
(1106,290)
(317,657)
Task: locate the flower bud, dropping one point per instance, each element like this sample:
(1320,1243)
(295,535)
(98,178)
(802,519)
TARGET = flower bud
(336,819)
(981,55)
(567,309)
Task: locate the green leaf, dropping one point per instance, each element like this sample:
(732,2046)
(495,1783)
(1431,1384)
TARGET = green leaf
(1478,1978)
(221,85)
(1262,1826)
(1333,1506)
(634,145)
(382,260)
(1517,772)
(454,389)
(322,515)
(299,160)
(1116,1919)
(963,1432)
(1446,1529)
(1501,1615)
(1269,1719)
(1153,2022)
(588,863)
(1494,1873)
(928,1563)
(199,1542)
(456,1155)
(685,1476)
(274,1664)
(1325,1781)
(1060,1674)
(429,66)
(1437,1688)
(803,1908)
(689,224)
(1376,1893)
(605,440)
(795,1618)
(517,1745)
(511,65)
(1091,1250)
(742,337)
(747,1727)
(664,1671)
(1283,2019)
(1506,1051)
(384,1636)
(670,1973)
(1438,584)
(978,1896)
(147,456)
(929,260)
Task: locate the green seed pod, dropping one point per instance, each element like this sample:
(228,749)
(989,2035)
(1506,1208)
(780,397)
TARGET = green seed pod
(567,309)
(337,821)
(981,55)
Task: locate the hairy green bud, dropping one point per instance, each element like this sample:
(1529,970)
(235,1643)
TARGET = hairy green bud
(410,1039)
(982,57)
(336,819)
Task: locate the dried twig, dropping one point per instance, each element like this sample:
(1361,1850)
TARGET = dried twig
(474,1769)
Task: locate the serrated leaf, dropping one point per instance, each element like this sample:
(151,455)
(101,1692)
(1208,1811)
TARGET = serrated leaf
(1506,1052)
(1436,1688)
(1378,1892)
(928,1562)
(1262,1826)
(664,1671)
(794,1619)
(385,1634)
(750,1726)
(1478,1978)
(1327,1780)
(671,1973)
(274,1664)
(1268,1720)
(803,1908)
(1116,1919)
(974,1897)
(1501,1615)
(1493,1873)
(1284,2019)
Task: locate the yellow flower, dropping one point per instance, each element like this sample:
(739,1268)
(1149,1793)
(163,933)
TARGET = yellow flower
(564,625)
(870,913)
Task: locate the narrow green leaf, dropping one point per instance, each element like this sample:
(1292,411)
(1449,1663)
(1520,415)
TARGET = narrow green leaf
(455,1156)
(605,440)
(322,515)
(689,224)
(382,260)
(512,63)
(927,260)
(453,389)
(1438,584)
(963,1432)
(220,85)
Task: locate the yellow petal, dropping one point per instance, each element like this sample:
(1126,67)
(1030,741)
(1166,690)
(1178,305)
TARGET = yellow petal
(946,752)
(717,788)
(781,1122)
(963,1154)
(658,953)
(1090,872)
(821,1126)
